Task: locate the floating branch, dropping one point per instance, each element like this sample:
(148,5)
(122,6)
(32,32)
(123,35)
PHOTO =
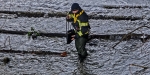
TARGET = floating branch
(144,67)
(137,72)
(129,35)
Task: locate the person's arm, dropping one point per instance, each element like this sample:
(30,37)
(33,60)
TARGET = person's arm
(69,17)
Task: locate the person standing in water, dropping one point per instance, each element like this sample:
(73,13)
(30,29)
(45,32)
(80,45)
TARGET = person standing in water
(81,26)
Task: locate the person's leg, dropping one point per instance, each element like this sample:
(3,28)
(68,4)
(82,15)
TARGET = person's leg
(80,44)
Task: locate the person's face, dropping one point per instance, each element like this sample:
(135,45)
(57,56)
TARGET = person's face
(75,11)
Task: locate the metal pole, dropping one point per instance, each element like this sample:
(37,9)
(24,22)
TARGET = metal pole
(66,27)
(70,27)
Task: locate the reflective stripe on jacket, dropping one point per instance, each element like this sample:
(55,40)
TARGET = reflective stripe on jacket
(80,23)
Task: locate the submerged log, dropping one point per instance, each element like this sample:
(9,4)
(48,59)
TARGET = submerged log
(24,13)
(25,32)
(63,14)
(34,52)
(107,17)
(123,6)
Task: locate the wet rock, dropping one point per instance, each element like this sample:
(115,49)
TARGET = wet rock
(6,60)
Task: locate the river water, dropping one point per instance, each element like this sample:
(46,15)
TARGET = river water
(127,58)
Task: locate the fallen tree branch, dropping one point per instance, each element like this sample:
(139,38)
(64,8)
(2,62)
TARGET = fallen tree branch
(137,72)
(144,67)
(129,35)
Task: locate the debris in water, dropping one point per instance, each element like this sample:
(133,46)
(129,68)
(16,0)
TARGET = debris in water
(64,54)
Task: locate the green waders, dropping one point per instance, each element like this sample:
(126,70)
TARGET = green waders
(80,46)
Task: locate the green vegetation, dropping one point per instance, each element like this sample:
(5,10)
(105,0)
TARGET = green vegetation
(33,33)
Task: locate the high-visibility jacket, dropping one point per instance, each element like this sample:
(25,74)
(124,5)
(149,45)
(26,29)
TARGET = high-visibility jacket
(80,23)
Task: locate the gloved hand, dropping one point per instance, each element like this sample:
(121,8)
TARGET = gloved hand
(68,18)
